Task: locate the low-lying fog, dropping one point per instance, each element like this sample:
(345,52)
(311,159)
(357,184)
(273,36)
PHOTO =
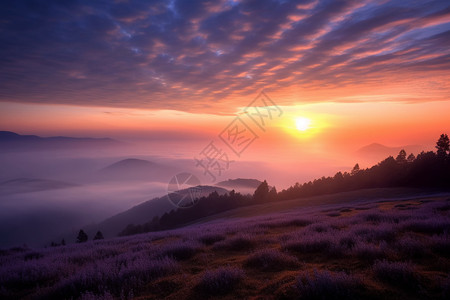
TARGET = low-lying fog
(45,194)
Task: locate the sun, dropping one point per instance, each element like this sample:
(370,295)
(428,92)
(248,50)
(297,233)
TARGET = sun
(302,123)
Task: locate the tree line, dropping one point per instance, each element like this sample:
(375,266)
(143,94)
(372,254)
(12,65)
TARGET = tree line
(82,237)
(427,170)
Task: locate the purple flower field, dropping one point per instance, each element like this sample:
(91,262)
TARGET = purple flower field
(378,250)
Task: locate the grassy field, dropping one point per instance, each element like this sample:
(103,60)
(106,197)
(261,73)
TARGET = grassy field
(367,247)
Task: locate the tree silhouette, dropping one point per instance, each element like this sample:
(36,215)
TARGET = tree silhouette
(98,236)
(82,237)
(272,194)
(401,157)
(262,192)
(355,169)
(411,158)
(443,145)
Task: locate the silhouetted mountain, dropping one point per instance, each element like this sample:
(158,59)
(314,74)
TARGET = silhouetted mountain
(27,185)
(240,182)
(136,169)
(147,210)
(241,185)
(375,148)
(13,142)
(379,151)
(130,164)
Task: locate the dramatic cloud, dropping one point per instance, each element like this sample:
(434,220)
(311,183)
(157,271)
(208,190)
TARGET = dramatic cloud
(192,55)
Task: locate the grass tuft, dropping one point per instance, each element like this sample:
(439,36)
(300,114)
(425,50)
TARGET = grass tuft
(220,281)
(401,274)
(239,242)
(327,285)
(180,250)
(271,260)
(211,238)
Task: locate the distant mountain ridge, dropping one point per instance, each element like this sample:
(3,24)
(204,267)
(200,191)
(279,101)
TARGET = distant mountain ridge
(380,151)
(28,185)
(130,164)
(241,185)
(244,182)
(136,169)
(11,141)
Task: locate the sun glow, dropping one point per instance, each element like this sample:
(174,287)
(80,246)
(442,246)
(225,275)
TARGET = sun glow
(302,123)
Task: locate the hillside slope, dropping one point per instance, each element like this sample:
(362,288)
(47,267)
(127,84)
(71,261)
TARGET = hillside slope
(143,213)
(363,249)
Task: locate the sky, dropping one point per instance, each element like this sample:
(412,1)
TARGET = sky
(359,72)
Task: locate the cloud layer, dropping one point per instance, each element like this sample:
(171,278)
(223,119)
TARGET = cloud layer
(194,55)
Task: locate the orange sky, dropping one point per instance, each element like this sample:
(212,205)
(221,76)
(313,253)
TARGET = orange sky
(337,124)
(176,73)
(282,153)
(120,68)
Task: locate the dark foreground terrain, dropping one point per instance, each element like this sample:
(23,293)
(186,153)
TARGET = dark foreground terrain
(372,249)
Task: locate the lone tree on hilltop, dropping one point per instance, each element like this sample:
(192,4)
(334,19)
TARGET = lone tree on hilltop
(82,237)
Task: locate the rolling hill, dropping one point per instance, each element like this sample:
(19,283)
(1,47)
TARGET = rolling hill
(378,151)
(136,169)
(241,185)
(144,212)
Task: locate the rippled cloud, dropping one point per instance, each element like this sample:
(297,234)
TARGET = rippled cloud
(195,55)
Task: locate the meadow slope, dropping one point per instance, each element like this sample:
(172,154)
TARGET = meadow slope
(372,249)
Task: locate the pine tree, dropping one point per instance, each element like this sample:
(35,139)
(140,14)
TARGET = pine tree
(98,236)
(355,169)
(82,237)
(401,157)
(272,194)
(262,192)
(443,145)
